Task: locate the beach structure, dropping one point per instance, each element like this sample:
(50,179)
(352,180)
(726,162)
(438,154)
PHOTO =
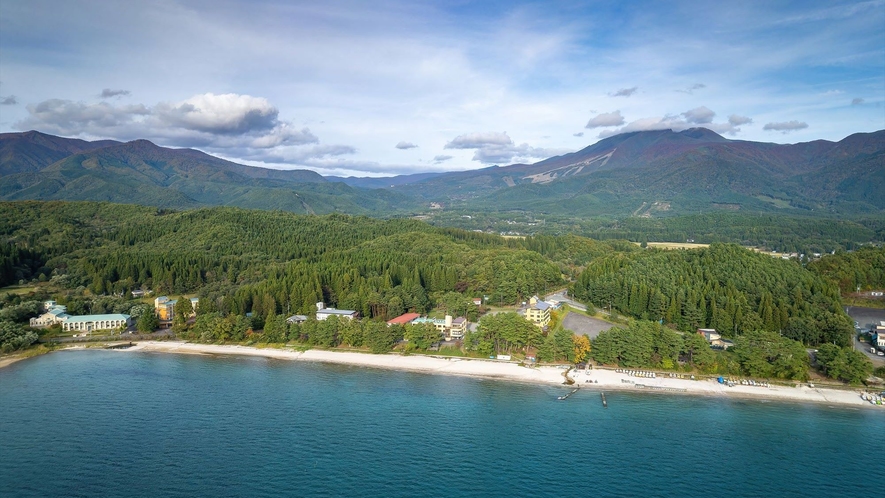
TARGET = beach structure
(537,312)
(57,314)
(324,313)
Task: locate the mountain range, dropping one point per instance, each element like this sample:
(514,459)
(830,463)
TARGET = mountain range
(696,170)
(44,167)
(648,173)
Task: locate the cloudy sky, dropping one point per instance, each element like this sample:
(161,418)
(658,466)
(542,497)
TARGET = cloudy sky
(391,87)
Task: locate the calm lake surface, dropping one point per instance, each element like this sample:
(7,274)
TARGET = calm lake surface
(112,423)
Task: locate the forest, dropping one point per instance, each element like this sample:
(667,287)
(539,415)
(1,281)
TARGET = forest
(782,233)
(266,262)
(725,287)
(252,269)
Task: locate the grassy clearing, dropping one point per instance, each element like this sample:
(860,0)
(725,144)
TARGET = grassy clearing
(677,245)
(18,290)
(779,203)
(864,303)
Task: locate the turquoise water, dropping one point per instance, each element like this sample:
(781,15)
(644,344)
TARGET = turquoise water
(110,423)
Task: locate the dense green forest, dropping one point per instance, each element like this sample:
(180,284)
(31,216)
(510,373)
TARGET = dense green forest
(273,264)
(863,269)
(782,233)
(268,262)
(725,287)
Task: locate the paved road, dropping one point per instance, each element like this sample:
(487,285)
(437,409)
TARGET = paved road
(561,297)
(864,348)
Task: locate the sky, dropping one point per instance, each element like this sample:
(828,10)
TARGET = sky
(388,87)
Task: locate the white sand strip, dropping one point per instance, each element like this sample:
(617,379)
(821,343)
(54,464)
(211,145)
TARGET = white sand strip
(599,378)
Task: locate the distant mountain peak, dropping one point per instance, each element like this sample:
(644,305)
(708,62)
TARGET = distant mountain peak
(701,133)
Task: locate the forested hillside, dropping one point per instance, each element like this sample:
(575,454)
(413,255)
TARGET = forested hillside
(725,287)
(863,269)
(34,165)
(272,264)
(263,261)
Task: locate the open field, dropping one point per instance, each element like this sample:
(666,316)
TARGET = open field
(18,290)
(677,245)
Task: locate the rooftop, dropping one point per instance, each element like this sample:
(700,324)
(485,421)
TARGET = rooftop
(97,318)
(333,311)
(403,319)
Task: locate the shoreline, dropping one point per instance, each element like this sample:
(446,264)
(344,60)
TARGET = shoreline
(595,379)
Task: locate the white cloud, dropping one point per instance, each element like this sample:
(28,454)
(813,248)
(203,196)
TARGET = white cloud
(66,117)
(497,148)
(441,159)
(108,93)
(219,114)
(690,90)
(207,120)
(606,119)
(699,115)
(479,139)
(406,145)
(785,126)
(317,154)
(624,92)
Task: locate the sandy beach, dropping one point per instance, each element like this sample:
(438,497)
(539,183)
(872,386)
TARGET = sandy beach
(601,379)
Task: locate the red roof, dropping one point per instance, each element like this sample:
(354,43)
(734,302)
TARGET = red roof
(403,319)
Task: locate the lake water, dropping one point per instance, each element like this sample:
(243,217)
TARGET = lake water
(112,423)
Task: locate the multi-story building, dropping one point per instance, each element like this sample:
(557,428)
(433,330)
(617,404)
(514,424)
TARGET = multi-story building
(538,312)
(165,308)
(57,314)
(452,328)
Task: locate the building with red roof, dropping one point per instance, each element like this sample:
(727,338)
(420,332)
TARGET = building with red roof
(403,319)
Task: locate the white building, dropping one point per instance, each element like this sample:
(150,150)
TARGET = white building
(57,314)
(880,335)
(323,312)
(90,323)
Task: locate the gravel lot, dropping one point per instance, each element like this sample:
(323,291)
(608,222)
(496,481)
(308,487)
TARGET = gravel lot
(580,324)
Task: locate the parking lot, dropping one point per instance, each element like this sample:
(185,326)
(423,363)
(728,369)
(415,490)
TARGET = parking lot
(866,319)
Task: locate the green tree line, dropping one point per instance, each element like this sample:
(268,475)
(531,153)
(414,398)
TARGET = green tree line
(724,286)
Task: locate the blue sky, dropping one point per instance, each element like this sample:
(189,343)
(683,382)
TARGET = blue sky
(393,87)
